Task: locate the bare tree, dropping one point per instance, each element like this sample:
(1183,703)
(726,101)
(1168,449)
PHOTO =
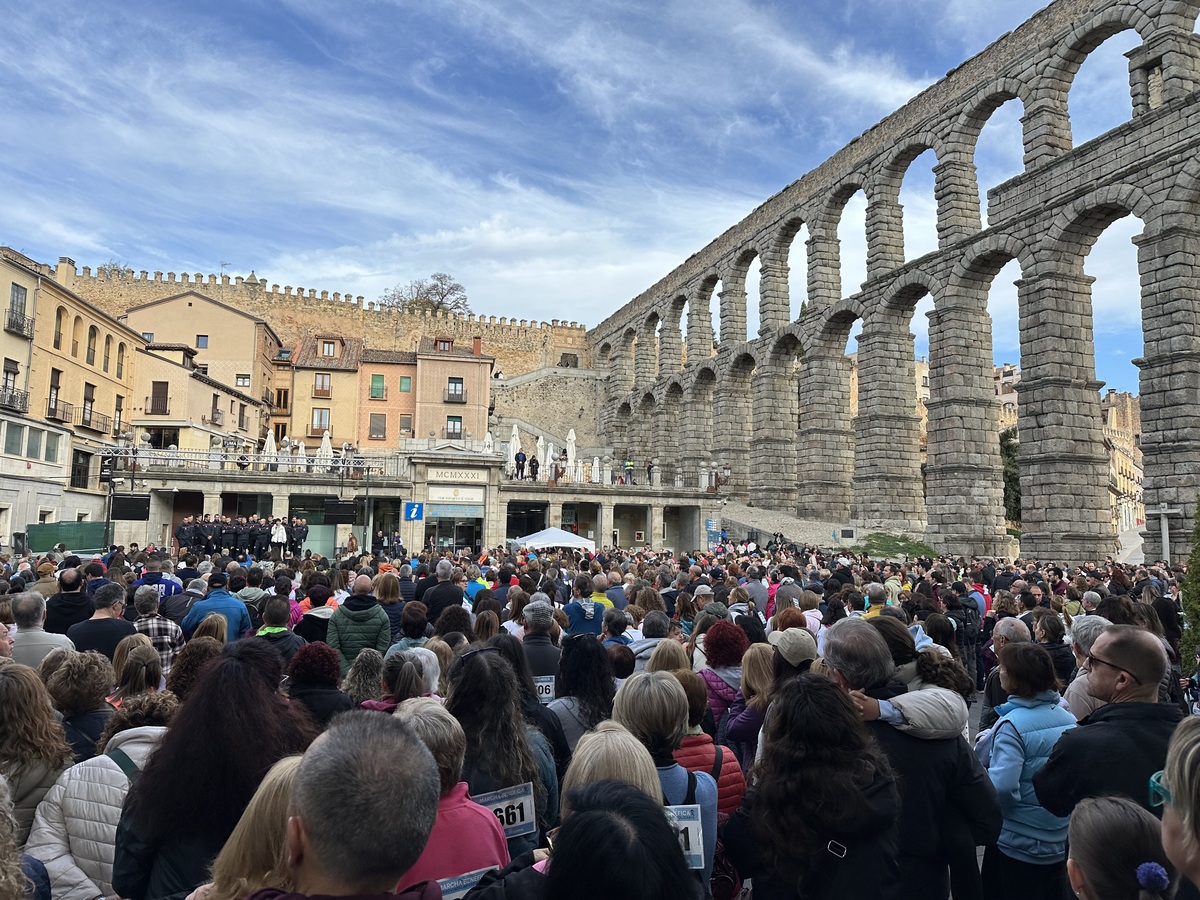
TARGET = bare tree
(438,292)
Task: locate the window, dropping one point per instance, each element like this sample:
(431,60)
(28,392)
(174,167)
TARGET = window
(11,368)
(89,399)
(120,360)
(60,319)
(81,467)
(55,375)
(14,439)
(377,388)
(16,299)
(33,446)
(93,336)
(282,398)
(202,342)
(454,426)
(241,381)
(107,351)
(148,336)
(243,421)
(454,389)
(160,401)
(51,447)
(444,345)
(378,427)
(405,384)
(280,431)
(118,413)
(405,425)
(320,420)
(202,369)
(322,384)
(328,348)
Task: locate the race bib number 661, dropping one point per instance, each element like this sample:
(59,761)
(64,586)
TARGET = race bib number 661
(513,807)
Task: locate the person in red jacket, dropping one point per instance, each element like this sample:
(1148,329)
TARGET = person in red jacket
(698,753)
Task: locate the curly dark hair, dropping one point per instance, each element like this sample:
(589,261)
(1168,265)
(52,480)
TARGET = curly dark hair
(454,618)
(818,759)
(234,705)
(189,663)
(585,673)
(316,663)
(725,644)
(80,683)
(140,711)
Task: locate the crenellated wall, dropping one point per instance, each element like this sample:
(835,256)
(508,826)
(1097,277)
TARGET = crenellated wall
(517,344)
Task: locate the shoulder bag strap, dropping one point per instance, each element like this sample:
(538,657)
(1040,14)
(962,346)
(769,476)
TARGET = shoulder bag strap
(718,762)
(128,766)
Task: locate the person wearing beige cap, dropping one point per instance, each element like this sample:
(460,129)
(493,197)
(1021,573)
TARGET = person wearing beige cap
(46,584)
(797,646)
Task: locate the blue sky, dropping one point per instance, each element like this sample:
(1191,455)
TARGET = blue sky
(557,158)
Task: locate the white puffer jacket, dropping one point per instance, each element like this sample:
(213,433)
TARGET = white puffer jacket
(75,829)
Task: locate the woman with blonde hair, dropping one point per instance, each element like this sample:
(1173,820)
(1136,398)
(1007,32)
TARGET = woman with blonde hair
(364,680)
(749,710)
(610,752)
(667,657)
(256,856)
(214,625)
(33,747)
(445,656)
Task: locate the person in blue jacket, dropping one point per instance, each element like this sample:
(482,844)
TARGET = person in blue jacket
(218,600)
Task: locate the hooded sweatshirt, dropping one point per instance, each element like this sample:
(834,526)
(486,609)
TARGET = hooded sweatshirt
(584,617)
(358,623)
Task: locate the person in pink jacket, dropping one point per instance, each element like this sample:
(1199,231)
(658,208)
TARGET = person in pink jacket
(724,646)
(467,838)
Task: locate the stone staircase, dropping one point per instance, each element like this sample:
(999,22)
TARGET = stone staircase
(738,520)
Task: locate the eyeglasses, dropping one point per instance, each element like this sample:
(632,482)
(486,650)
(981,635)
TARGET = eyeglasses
(1093,659)
(1159,792)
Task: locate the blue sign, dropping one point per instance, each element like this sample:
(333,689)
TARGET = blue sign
(414,512)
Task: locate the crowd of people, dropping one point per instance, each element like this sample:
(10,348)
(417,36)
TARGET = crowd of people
(508,724)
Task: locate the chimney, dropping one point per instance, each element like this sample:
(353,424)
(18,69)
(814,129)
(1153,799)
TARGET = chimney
(477,346)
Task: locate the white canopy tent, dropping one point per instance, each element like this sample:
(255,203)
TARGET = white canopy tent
(555,537)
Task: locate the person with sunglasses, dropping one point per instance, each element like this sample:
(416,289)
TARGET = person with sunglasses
(1114,751)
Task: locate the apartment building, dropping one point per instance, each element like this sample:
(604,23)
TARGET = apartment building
(453,390)
(387,399)
(231,346)
(325,389)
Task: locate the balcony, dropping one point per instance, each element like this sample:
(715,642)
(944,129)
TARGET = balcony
(450,396)
(158,406)
(216,416)
(317,431)
(452,434)
(16,322)
(380,394)
(12,399)
(86,417)
(323,393)
(60,410)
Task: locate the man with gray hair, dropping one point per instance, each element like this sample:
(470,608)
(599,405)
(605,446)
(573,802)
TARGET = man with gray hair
(1084,631)
(165,635)
(942,783)
(444,594)
(655,629)
(105,629)
(877,598)
(540,651)
(1008,630)
(357,821)
(32,642)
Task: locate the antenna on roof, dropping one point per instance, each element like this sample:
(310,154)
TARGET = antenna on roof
(224,266)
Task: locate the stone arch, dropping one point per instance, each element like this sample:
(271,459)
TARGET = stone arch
(647,350)
(780,254)
(625,364)
(669,425)
(960,169)
(908,289)
(622,427)
(986,258)
(603,363)
(733,418)
(885,217)
(1076,228)
(734,300)
(697,426)
(825,257)
(776,431)
(643,440)
(670,347)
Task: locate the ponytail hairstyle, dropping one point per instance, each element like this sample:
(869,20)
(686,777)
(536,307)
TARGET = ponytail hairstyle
(1116,846)
(404,676)
(141,674)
